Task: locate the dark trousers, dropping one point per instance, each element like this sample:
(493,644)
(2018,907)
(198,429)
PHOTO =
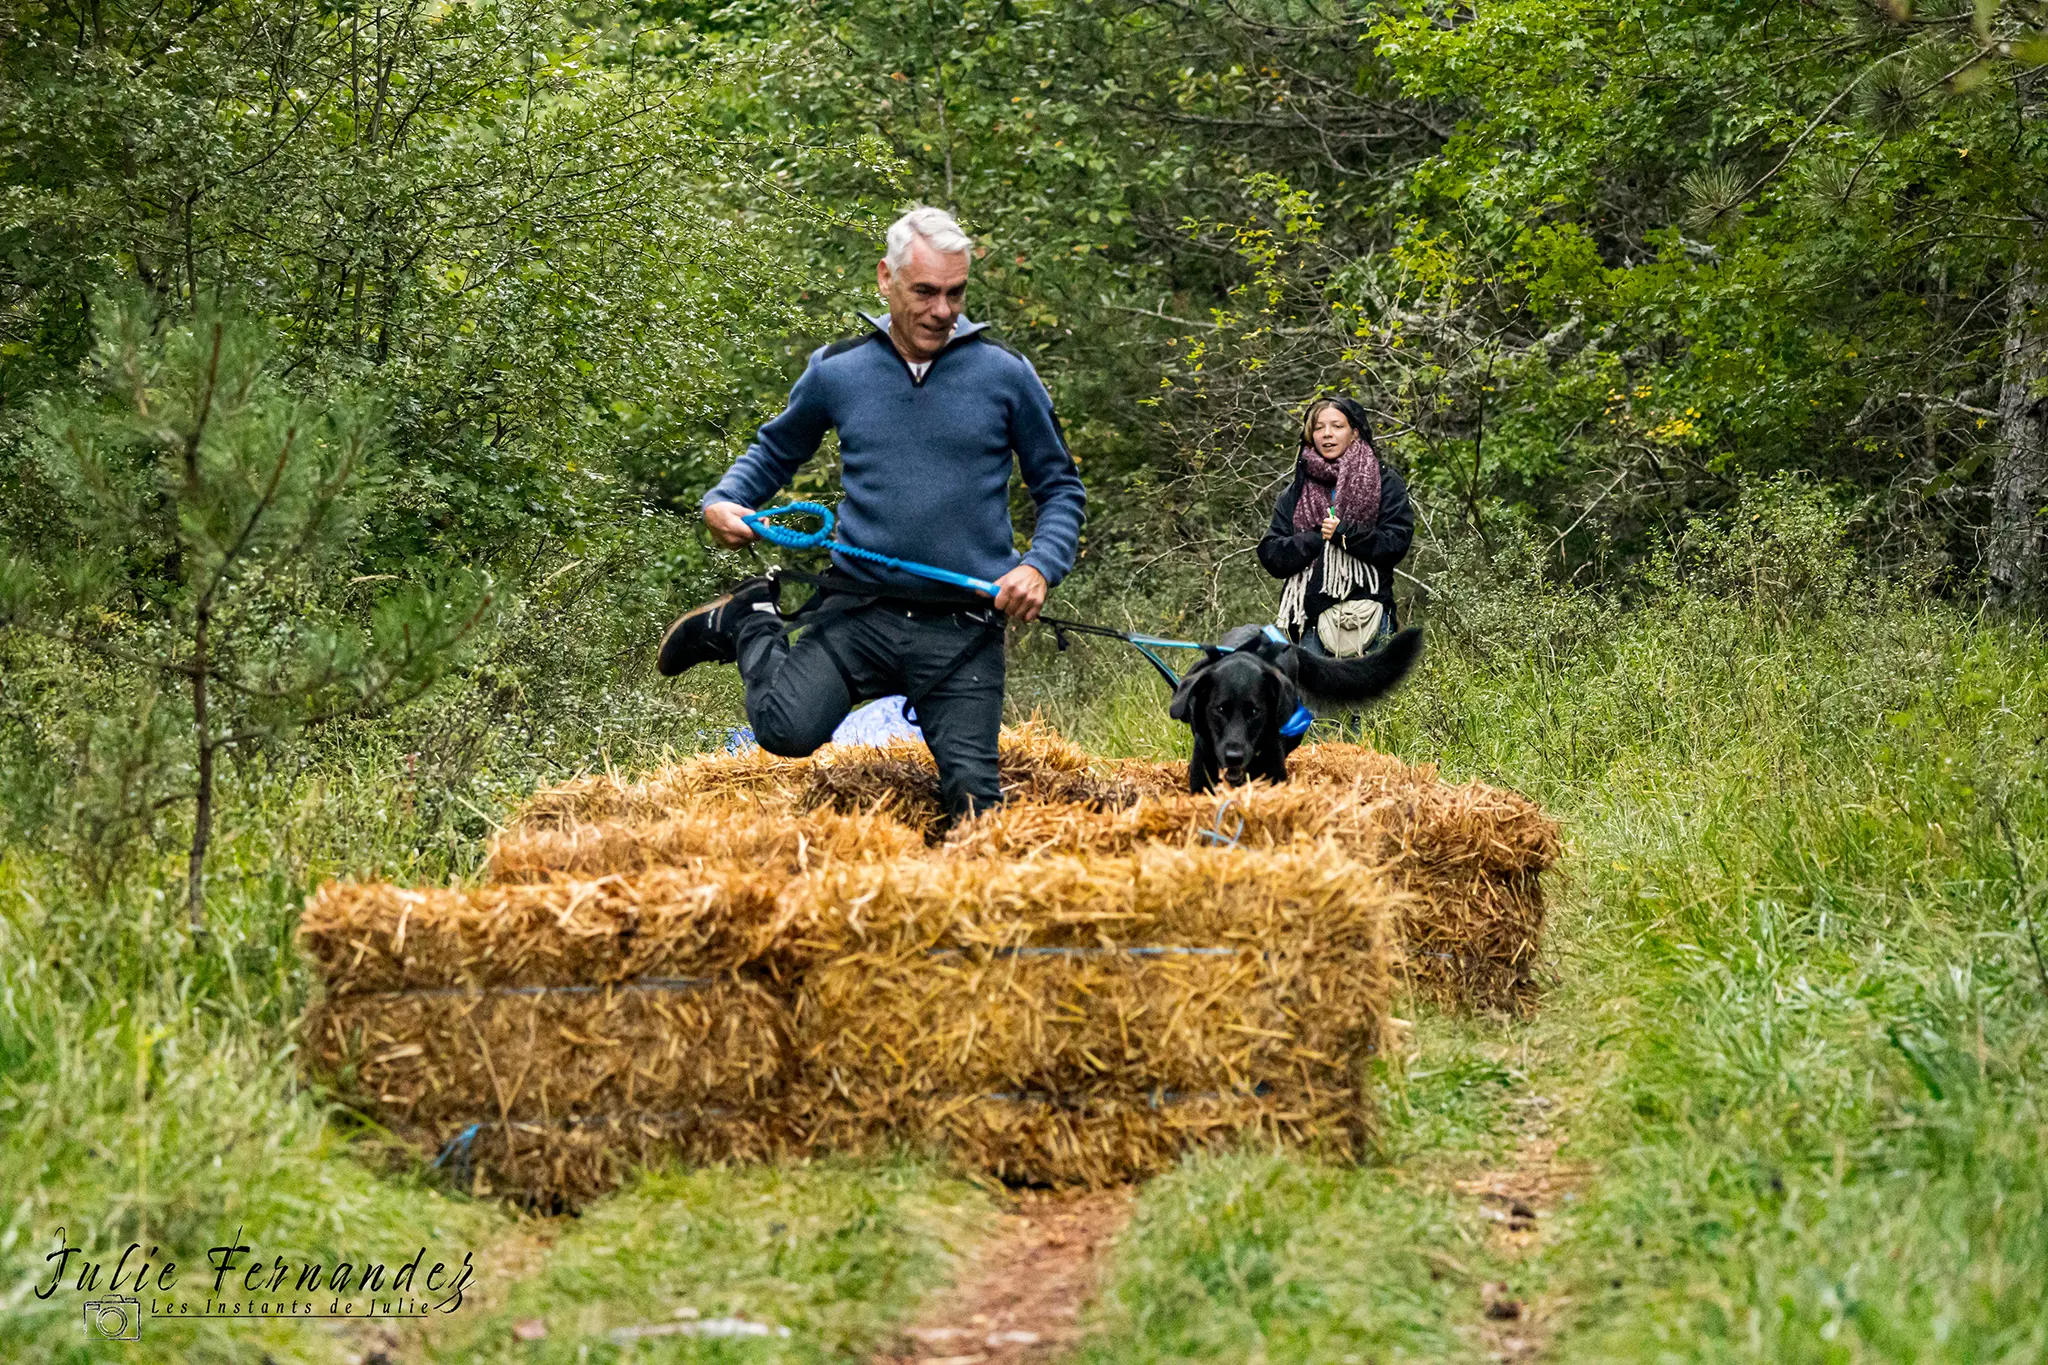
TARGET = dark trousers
(950,664)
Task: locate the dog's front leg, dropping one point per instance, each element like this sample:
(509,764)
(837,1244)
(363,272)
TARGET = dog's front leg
(1202,769)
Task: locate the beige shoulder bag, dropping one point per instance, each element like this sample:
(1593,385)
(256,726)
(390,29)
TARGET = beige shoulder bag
(1347,629)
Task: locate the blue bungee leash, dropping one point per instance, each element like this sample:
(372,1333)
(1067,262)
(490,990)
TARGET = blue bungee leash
(792,539)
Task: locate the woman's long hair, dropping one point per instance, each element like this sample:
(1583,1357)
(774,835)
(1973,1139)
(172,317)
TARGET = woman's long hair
(1353,412)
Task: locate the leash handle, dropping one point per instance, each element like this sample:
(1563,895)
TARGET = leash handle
(788,536)
(792,539)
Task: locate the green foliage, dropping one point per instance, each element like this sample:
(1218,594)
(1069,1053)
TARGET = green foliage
(1782,550)
(202,513)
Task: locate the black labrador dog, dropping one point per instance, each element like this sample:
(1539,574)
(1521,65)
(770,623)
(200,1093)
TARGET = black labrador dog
(1246,700)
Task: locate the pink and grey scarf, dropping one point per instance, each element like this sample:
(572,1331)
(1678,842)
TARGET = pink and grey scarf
(1354,479)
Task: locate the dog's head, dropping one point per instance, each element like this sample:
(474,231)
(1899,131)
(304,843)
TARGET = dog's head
(1241,701)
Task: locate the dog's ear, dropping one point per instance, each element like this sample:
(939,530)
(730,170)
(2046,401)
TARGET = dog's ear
(1283,697)
(1282,700)
(1188,695)
(1289,699)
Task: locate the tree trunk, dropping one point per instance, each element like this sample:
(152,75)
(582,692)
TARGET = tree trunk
(202,806)
(2017,558)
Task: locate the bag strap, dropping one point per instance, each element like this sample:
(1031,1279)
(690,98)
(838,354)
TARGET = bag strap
(975,644)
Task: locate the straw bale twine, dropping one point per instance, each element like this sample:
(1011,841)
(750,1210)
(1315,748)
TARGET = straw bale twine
(552,1052)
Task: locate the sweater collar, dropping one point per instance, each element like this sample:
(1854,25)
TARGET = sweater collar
(963,328)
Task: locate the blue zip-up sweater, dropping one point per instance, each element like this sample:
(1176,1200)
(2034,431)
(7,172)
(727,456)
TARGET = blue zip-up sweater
(925,465)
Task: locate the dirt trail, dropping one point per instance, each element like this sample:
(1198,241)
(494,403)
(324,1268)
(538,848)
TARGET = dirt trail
(1018,1300)
(1522,1198)
(517,1252)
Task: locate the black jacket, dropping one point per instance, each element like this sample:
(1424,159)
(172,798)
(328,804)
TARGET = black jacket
(1286,552)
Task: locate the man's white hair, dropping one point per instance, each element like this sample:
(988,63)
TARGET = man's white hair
(941,232)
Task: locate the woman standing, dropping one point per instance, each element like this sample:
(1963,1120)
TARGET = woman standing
(1338,530)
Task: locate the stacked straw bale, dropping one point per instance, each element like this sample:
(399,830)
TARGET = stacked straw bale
(746,957)
(1468,859)
(672,922)
(541,1053)
(1085,1020)
(899,780)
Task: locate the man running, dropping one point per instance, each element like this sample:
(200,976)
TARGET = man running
(930,409)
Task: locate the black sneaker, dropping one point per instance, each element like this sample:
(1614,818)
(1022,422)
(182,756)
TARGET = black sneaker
(703,635)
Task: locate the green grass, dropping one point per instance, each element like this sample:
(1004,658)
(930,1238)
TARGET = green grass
(1797,1019)
(836,1254)
(1796,1031)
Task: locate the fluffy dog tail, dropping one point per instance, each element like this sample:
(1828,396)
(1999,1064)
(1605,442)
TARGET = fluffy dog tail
(1329,682)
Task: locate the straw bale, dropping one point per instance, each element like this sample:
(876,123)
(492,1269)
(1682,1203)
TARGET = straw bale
(539,1053)
(1091,1022)
(732,834)
(695,920)
(1468,859)
(557,1165)
(899,779)
(1095,982)
(1376,817)
(751,777)
(1311,896)
(1037,1139)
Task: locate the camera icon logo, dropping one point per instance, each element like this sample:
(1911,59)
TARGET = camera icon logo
(113,1319)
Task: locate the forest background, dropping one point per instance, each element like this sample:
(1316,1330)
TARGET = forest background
(523,278)
(361,365)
